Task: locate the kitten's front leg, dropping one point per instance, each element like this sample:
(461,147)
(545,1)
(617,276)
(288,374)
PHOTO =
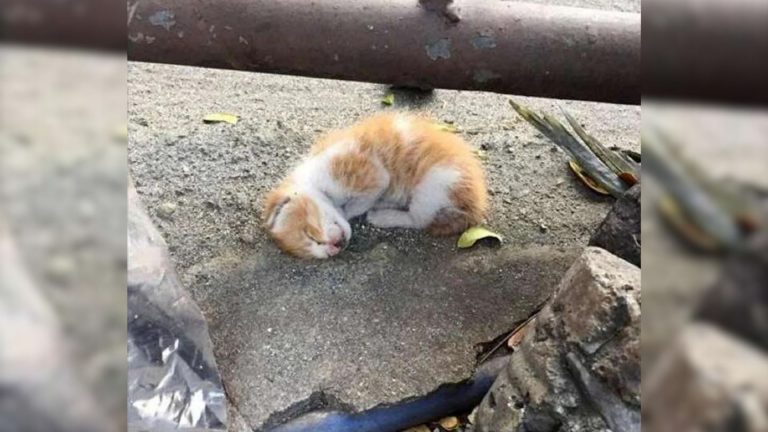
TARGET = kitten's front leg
(389,218)
(357,206)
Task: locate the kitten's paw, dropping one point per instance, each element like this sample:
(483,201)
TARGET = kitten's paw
(388,218)
(375,218)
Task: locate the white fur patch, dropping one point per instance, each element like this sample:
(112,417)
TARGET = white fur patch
(402,125)
(432,194)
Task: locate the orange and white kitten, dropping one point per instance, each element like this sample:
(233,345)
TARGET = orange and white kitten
(398,168)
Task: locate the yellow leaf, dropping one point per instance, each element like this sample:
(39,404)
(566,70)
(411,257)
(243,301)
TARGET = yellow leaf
(481,154)
(517,335)
(449,423)
(420,428)
(472,235)
(121,133)
(674,215)
(445,127)
(221,118)
(389,99)
(584,177)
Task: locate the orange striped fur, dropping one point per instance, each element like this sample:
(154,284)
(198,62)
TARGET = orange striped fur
(399,169)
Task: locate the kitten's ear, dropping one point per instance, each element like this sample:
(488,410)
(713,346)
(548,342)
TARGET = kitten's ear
(278,207)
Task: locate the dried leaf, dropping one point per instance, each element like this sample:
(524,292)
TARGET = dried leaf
(389,99)
(748,222)
(518,334)
(553,129)
(481,154)
(446,127)
(629,178)
(449,423)
(121,133)
(674,215)
(584,177)
(420,428)
(699,208)
(472,235)
(515,330)
(613,161)
(221,118)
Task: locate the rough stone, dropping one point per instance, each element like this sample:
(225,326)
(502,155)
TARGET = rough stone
(595,315)
(738,301)
(620,231)
(63,197)
(708,380)
(37,373)
(166,210)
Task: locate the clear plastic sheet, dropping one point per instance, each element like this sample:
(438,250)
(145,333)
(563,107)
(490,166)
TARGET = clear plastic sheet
(173,382)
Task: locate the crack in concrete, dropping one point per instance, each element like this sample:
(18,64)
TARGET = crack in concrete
(326,411)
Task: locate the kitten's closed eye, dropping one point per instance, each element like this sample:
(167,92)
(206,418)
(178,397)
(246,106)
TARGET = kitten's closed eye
(313,238)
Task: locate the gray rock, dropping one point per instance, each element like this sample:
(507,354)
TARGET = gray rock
(620,231)
(242,201)
(38,375)
(166,210)
(595,314)
(247,238)
(738,301)
(707,381)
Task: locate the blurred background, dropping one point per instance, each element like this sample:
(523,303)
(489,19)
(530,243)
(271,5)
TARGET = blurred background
(63,183)
(705,286)
(63,180)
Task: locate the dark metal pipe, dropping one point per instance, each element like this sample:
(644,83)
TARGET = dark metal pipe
(710,50)
(90,24)
(506,47)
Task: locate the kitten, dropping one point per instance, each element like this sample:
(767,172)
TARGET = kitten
(398,168)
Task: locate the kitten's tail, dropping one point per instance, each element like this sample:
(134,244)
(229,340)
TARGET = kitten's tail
(470,203)
(451,221)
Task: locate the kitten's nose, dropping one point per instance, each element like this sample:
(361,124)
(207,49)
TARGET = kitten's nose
(341,242)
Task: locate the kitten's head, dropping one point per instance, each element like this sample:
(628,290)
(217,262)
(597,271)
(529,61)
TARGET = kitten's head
(305,225)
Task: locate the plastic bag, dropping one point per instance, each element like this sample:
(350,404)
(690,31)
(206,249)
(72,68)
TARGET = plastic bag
(173,381)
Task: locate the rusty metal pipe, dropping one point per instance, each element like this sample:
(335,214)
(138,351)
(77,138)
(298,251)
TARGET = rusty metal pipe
(89,24)
(505,47)
(709,50)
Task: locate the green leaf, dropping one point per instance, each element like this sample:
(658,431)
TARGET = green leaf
(445,127)
(221,118)
(481,154)
(389,99)
(472,235)
(121,133)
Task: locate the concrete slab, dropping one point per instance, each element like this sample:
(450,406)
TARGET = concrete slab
(400,312)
